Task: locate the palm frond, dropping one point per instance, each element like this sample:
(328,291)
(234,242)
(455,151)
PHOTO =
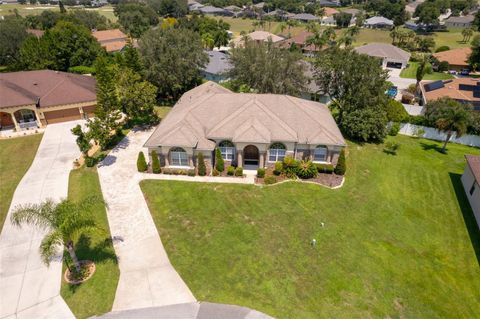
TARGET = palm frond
(41,215)
(49,246)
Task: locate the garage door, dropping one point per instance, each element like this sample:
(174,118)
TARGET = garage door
(62,115)
(89,111)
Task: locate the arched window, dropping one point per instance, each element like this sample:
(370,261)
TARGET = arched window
(277,152)
(320,154)
(227,149)
(178,157)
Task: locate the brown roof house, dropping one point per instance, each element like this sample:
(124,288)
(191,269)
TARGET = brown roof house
(31,99)
(251,130)
(258,37)
(464,90)
(391,56)
(456,58)
(112,40)
(470,180)
(300,41)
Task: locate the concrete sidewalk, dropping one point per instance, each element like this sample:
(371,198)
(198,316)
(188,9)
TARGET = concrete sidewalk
(28,288)
(147,278)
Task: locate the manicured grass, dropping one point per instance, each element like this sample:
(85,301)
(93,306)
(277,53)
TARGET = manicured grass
(399,239)
(95,296)
(411,71)
(16,156)
(29,9)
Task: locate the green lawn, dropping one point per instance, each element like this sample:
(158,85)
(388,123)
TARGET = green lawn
(96,295)
(16,156)
(399,239)
(411,71)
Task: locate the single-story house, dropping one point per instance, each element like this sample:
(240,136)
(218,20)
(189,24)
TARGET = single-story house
(217,67)
(459,22)
(353,12)
(279,14)
(112,40)
(250,130)
(210,10)
(258,37)
(330,21)
(464,90)
(194,6)
(31,99)
(470,180)
(305,17)
(329,3)
(378,22)
(300,41)
(330,11)
(391,56)
(456,58)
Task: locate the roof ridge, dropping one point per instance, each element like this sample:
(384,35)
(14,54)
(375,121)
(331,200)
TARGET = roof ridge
(232,115)
(281,122)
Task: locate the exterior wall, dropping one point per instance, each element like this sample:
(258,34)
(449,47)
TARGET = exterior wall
(468,180)
(458,24)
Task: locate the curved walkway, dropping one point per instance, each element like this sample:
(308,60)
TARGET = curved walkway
(147,279)
(28,288)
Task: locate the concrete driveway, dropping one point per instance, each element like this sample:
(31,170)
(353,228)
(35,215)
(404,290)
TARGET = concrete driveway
(28,288)
(401,83)
(147,279)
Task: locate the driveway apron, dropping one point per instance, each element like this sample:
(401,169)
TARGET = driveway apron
(147,278)
(28,288)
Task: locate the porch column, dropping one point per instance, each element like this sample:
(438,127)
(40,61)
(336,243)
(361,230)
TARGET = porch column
(261,163)
(240,159)
(190,161)
(166,160)
(17,127)
(37,118)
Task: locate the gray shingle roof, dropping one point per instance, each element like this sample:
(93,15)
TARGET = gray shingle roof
(210,111)
(218,64)
(378,20)
(384,50)
(462,19)
(305,17)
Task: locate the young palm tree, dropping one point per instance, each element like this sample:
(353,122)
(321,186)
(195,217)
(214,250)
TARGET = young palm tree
(453,120)
(423,68)
(317,40)
(65,222)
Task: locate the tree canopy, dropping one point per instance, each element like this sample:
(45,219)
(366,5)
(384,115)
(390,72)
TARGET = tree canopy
(135,18)
(13,33)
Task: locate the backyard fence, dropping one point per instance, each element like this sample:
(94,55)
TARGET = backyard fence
(433,134)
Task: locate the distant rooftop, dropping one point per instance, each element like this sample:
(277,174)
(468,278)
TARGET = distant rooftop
(384,50)
(219,63)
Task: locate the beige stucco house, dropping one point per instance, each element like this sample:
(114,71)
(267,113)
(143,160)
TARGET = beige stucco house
(470,181)
(31,99)
(251,130)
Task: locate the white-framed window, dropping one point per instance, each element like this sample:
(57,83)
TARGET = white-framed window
(27,115)
(227,149)
(320,154)
(276,153)
(178,157)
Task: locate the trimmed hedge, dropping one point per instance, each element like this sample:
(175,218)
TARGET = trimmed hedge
(202,169)
(261,172)
(325,168)
(341,167)
(179,171)
(230,171)
(278,168)
(141,163)
(270,180)
(90,161)
(156,169)
(239,171)
(219,163)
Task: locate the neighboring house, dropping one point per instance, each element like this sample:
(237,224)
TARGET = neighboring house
(112,40)
(464,90)
(31,99)
(329,3)
(305,17)
(470,180)
(195,6)
(330,11)
(457,58)
(300,41)
(210,10)
(217,67)
(378,22)
(258,37)
(459,22)
(251,130)
(330,21)
(390,55)
(279,14)
(353,12)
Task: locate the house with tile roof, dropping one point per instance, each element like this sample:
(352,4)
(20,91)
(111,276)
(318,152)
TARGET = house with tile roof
(457,58)
(471,184)
(300,41)
(464,90)
(390,55)
(258,37)
(250,130)
(112,40)
(31,99)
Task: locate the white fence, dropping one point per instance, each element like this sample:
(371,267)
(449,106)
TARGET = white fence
(434,134)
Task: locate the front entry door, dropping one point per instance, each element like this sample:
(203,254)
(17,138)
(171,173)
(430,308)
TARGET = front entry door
(250,155)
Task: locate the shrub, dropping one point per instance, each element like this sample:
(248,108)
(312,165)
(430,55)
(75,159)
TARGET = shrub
(341,167)
(219,164)
(215,172)
(202,169)
(270,180)
(290,166)
(306,169)
(90,161)
(443,66)
(82,69)
(261,172)
(155,163)
(418,132)
(141,163)
(191,172)
(391,147)
(442,48)
(396,112)
(230,171)
(239,171)
(325,168)
(278,168)
(394,129)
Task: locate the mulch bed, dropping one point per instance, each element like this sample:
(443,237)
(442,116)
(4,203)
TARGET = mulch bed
(87,270)
(329,180)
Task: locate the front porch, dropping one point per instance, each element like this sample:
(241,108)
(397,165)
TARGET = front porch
(18,121)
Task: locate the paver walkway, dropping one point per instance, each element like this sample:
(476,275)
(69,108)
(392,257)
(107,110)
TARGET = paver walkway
(147,278)
(28,288)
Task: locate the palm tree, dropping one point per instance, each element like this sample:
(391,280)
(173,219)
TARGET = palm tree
(282,27)
(467,34)
(394,34)
(453,119)
(64,221)
(424,67)
(317,40)
(329,34)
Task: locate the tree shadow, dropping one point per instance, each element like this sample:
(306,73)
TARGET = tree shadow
(107,161)
(100,253)
(432,146)
(468,216)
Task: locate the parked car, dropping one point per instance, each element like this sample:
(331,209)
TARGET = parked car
(465,72)
(452,72)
